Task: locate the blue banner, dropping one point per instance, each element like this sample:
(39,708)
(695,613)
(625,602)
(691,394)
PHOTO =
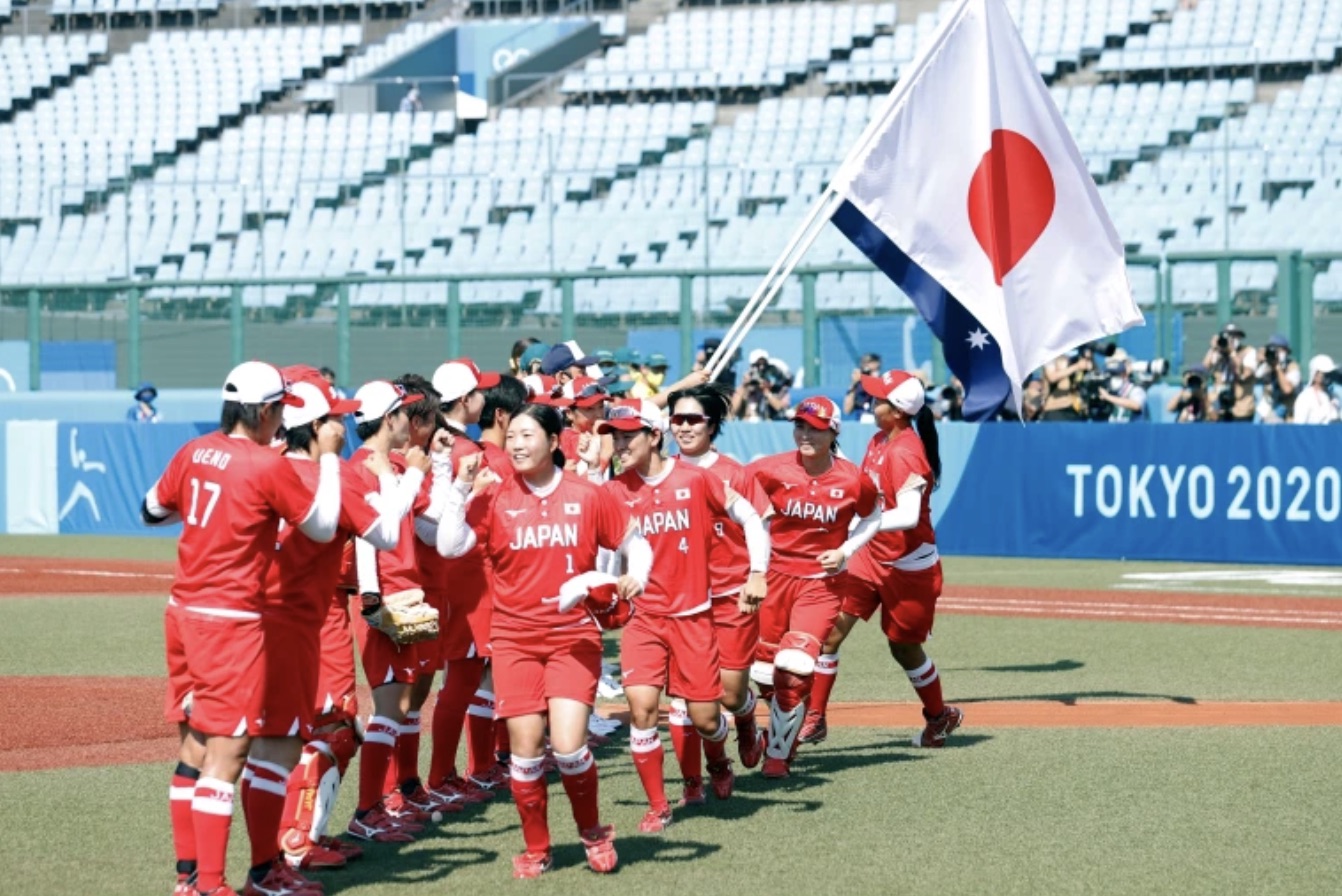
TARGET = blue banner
(1255,494)
(104,469)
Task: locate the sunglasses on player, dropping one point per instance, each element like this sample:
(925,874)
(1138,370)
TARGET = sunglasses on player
(688,419)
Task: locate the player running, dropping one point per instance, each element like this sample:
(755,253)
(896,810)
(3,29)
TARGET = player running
(669,644)
(900,571)
(696,420)
(815,497)
(541,528)
(230,490)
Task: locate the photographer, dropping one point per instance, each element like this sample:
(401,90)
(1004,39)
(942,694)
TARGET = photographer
(1279,375)
(857,401)
(764,390)
(1062,376)
(1317,403)
(1232,365)
(1191,405)
(1126,399)
(727,375)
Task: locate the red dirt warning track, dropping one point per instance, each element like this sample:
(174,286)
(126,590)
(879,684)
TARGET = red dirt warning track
(89,722)
(46,576)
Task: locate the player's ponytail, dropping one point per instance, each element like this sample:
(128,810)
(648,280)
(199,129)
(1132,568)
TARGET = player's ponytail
(927,431)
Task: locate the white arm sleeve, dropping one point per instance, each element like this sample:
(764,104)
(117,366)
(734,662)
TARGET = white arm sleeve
(324,518)
(637,557)
(385,534)
(863,532)
(426,523)
(162,516)
(757,534)
(365,567)
(455,538)
(904,515)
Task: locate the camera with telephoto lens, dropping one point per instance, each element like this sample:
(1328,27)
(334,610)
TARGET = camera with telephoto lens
(1144,373)
(1094,407)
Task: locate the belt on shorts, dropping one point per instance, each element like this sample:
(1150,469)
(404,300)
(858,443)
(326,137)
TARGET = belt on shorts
(924,556)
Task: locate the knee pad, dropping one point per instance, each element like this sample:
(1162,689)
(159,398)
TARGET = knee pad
(343,743)
(797,653)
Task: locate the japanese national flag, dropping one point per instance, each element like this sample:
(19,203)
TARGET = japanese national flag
(968,191)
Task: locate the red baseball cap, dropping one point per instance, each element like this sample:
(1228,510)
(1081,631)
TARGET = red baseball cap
(586,392)
(819,412)
(545,390)
(631,415)
(903,390)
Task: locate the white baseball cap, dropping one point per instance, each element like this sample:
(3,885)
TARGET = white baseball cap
(459,378)
(379,398)
(319,400)
(256,382)
(903,390)
(1321,364)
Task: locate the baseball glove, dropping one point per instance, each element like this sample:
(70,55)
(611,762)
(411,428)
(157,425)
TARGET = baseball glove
(404,617)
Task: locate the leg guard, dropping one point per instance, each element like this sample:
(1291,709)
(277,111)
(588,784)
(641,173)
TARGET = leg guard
(786,713)
(313,787)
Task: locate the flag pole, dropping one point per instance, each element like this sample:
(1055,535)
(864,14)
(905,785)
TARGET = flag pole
(802,239)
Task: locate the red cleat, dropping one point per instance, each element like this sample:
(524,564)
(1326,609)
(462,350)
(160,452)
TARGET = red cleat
(938,728)
(351,851)
(777,768)
(694,793)
(377,826)
(405,813)
(814,730)
(280,880)
(300,852)
(722,778)
(530,865)
(600,845)
(655,821)
(749,744)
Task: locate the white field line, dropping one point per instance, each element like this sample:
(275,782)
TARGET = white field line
(1199,588)
(1140,611)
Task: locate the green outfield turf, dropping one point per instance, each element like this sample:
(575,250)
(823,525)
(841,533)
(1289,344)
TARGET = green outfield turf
(1190,811)
(1030,811)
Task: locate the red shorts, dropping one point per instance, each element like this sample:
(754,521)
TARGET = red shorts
(737,633)
(677,654)
(531,669)
(800,605)
(179,677)
(908,602)
(335,665)
(385,661)
(226,662)
(465,634)
(293,653)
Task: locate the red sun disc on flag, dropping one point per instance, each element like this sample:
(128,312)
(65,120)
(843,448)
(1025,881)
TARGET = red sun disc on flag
(1011,200)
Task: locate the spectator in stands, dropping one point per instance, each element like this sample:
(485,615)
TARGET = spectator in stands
(519,349)
(1061,379)
(330,376)
(629,365)
(651,378)
(727,375)
(764,390)
(1192,404)
(411,102)
(1126,398)
(857,402)
(143,411)
(948,402)
(1233,365)
(1279,375)
(566,362)
(606,361)
(530,362)
(1317,403)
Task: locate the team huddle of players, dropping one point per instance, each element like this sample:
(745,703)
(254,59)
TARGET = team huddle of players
(500,560)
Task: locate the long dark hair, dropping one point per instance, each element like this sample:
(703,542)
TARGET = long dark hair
(714,398)
(926,425)
(551,422)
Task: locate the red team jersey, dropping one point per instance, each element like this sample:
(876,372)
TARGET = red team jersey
(675,514)
(397,570)
(231,494)
(728,560)
(497,460)
(302,578)
(463,576)
(811,515)
(892,464)
(537,543)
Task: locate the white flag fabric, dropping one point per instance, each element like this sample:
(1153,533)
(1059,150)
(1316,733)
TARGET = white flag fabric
(969,184)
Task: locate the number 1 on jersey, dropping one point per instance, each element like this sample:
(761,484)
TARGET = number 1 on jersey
(568,564)
(214,489)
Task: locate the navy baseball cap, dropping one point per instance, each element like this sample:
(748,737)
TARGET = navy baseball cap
(560,357)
